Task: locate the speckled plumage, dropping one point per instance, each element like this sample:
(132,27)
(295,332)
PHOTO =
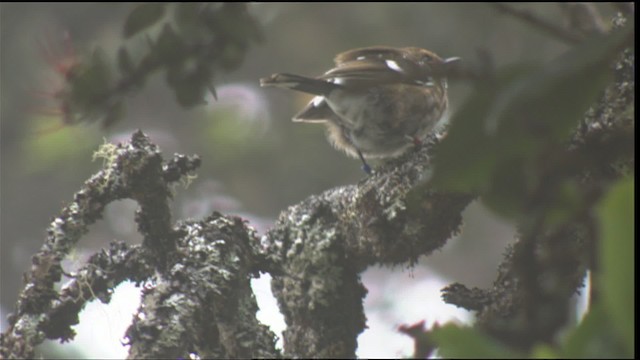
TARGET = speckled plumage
(377,101)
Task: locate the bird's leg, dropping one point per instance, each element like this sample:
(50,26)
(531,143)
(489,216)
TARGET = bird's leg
(365,166)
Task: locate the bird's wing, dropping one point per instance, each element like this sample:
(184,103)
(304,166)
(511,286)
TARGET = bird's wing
(368,53)
(369,72)
(317,111)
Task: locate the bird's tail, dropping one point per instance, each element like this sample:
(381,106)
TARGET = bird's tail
(299,83)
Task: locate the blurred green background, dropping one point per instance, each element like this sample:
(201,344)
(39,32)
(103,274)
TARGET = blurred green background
(256,162)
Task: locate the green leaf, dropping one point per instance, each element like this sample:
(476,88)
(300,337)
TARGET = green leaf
(188,19)
(189,95)
(142,17)
(170,47)
(617,279)
(593,338)
(466,342)
(465,161)
(187,13)
(125,64)
(231,57)
(502,141)
(233,22)
(190,87)
(547,104)
(544,351)
(90,87)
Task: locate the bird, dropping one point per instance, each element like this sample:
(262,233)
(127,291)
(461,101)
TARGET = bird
(377,101)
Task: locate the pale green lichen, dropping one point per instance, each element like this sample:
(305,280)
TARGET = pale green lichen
(108,152)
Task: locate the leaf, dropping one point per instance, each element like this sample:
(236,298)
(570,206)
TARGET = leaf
(186,13)
(233,22)
(544,351)
(548,103)
(616,212)
(466,342)
(592,338)
(125,64)
(189,95)
(190,87)
(170,47)
(142,17)
(466,159)
(502,140)
(90,86)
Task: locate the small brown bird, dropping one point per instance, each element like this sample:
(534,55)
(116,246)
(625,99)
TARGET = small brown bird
(377,101)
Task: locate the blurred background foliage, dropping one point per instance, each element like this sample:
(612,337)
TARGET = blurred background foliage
(149,66)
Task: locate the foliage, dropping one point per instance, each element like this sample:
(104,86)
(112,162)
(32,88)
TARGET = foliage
(517,142)
(189,42)
(616,212)
(506,139)
(607,330)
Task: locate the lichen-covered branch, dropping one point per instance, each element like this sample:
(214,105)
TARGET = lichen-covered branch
(530,298)
(197,298)
(123,174)
(96,280)
(218,274)
(318,248)
(203,304)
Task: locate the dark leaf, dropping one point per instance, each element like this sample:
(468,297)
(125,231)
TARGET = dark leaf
(170,47)
(189,95)
(617,244)
(186,13)
(233,22)
(142,17)
(499,141)
(466,159)
(190,86)
(91,83)
(125,64)
(593,338)
(466,342)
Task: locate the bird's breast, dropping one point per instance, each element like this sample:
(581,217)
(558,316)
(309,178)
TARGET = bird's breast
(383,120)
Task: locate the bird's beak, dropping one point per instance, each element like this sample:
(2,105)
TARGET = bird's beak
(449,65)
(451,60)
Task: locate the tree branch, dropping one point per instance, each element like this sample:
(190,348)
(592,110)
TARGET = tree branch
(203,266)
(203,304)
(197,298)
(124,170)
(318,248)
(529,300)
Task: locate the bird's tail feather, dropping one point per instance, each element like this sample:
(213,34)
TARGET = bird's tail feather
(299,83)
